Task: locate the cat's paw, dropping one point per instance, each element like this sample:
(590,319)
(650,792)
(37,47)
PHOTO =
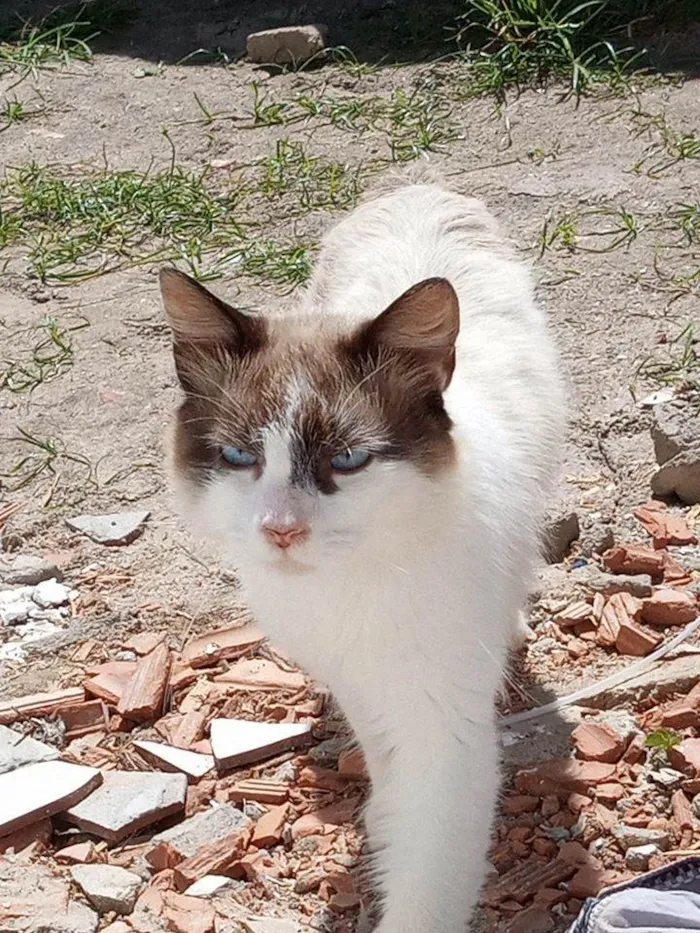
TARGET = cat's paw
(520,633)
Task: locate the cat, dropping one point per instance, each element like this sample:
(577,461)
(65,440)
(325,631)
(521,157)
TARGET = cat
(375,464)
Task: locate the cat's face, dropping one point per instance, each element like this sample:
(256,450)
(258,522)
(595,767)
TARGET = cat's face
(296,443)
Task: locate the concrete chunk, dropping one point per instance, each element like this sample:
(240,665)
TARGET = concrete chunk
(28,569)
(128,801)
(108,887)
(113,529)
(40,901)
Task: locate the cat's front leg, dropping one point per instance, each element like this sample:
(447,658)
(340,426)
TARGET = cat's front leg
(429,822)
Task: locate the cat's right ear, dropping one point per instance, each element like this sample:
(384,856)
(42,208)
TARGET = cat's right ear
(200,319)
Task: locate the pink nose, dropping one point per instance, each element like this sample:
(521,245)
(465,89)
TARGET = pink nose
(284,536)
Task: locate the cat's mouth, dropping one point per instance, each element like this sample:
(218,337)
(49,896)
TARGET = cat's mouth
(288,564)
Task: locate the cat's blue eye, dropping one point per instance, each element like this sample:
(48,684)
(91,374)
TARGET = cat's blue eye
(350,460)
(238,457)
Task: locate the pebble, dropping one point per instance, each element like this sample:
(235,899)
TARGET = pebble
(637,857)
(109,888)
(634,836)
(50,593)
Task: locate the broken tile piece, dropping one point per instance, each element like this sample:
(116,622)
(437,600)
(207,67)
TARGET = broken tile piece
(37,791)
(207,886)
(664,527)
(144,642)
(170,758)
(77,854)
(217,858)
(113,529)
(108,887)
(206,828)
(39,704)
(143,696)
(128,801)
(239,741)
(17,750)
(222,645)
(669,607)
(261,674)
(40,832)
(598,742)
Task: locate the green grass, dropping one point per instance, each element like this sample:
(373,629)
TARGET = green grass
(663,739)
(43,455)
(668,149)
(77,225)
(676,362)
(51,355)
(311,182)
(596,230)
(584,43)
(63,37)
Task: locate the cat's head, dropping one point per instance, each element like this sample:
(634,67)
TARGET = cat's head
(302,439)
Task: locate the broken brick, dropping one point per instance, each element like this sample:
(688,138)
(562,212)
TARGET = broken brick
(686,757)
(39,704)
(618,610)
(264,791)
(664,527)
(143,698)
(222,645)
(682,812)
(84,718)
(335,815)
(520,803)
(270,827)
(215,859)
(588,881)
(635,641)
(261,674)
(20,839)
(574,615)
(563,776)
(598,742)
(521,882)
(633,559)
(669,607)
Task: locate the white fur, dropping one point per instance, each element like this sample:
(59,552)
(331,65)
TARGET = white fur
(408,589)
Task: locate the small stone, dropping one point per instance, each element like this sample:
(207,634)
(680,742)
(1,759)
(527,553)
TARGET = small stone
(51,593)
(28,569)
(608,584)
(108,887)
(666,777)
(637,857)
(631,836)
(17,750)
(680,476)
(669,607)
(286,45)
(16,612)
(113,529)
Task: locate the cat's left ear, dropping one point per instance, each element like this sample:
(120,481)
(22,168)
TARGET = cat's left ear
(425,321)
